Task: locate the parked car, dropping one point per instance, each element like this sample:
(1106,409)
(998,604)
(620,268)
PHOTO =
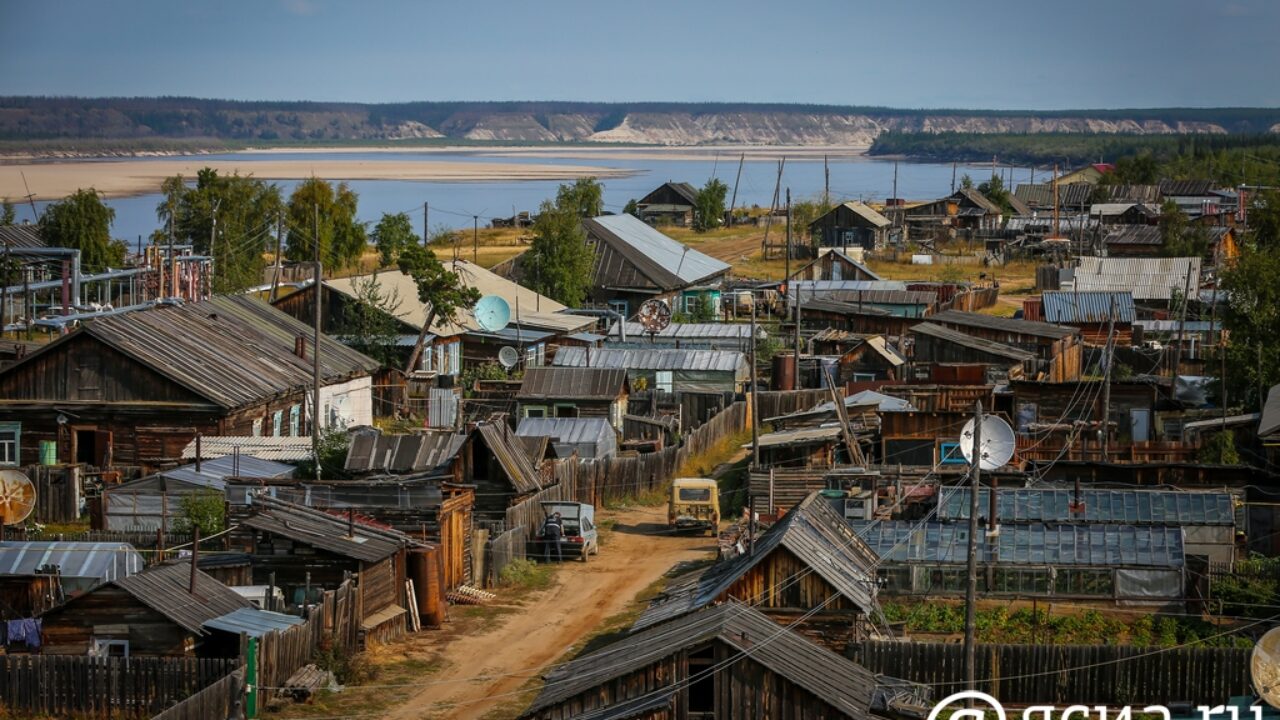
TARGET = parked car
(580,535)
(695,505)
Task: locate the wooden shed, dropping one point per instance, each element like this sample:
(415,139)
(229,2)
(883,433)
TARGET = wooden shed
(1058,349)
(850,224)
(570,392)
(671,203)
(936,344)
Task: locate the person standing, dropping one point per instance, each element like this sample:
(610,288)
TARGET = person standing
(552,534)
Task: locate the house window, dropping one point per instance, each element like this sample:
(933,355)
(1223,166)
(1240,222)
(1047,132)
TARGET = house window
(863,377)
(277,420)
(664,381)
(566,410)
(535,411)
(455,359)
(619,306)
(104,647)
(257,427)
(295,413)
(10,435)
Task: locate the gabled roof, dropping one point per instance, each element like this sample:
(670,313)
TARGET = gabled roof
(837,681)
(1064,306)
(1011,325)
(412,453)
(978,199)
(689,331)
(324,531)
(686,191)
(336,359)
(1145,278)
(566,383)
(21,236)
(624,240)
(840,254)
(594,436)
(510,454)
(1185,188)
(982,345)
(664,359)
(167,590)
(862,210)
(813,532)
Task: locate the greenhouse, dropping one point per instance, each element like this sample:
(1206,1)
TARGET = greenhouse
(1078,561)
(1127,507)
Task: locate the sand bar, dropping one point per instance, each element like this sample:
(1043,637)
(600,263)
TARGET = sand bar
(603,152)
(121,178)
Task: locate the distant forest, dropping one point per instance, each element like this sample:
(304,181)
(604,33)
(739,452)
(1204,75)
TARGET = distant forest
(1068,149)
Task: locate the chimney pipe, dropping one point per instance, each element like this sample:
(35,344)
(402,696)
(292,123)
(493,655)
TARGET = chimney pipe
(197,452)
(195,555)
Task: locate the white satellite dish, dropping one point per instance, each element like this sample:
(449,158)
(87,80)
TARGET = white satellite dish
(1264,667)
(17,497)
(508,357)
(997,442)
(492,313)
(654,315)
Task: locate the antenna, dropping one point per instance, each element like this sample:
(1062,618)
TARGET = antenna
(17,497)
(997,442)
(492,313)
(508,357)
(654,316)
(1264,667)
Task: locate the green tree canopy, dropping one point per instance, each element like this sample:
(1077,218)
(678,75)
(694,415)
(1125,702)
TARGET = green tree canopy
(558,262)
(1179,237)
(82,221)
(584,198)
(370,324)
(995,191)
(232,218)
(1252,315)
(1264,220)
(708,214)
(8,213)
(966,182)
(632,208)
(341,236)
(392,235)
(438,287)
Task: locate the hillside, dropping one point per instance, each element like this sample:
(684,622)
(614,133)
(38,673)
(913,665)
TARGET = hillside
(141,122)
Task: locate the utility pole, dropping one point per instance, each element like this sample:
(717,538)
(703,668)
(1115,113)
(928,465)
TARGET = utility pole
(315,351)
(826,182)
(1182,323)
(426,229)
(971,588)
(275,281)
(475,239)
(734,202)
(1106,380)
(213,238)
(895,179)
(768,220)
(1055,200)
(787,262)
(953,176)
(755,395)
(164,263)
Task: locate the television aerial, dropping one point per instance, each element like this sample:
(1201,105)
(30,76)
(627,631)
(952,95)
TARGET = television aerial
(492,313)
(997,442)
(654,316)
(1264,667)
(508,357)
(17,497)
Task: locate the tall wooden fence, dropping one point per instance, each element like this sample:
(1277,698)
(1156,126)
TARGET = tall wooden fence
(221,700)
(57,492)
(784,402)
(1069,674)
(333,624)
(78,686)
(502,550)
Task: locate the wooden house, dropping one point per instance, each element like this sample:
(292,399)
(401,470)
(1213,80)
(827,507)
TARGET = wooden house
(135,388)
(836,586)
(570,392)
(837,265)
(965,209)
(721,663)
(1058,349)
(871,359)
(890,297)
(306,549)
(1042,408)
(498,465)
(851,224)
(671,203)
(1095,314)
(161,611)
(433,454)
(635,262)
(936,344)
(802,447)
(667,371)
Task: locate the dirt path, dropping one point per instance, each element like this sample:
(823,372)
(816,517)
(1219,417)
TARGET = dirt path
(637,552)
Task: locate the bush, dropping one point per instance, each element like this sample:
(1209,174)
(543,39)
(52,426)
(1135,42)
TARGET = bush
(205,509)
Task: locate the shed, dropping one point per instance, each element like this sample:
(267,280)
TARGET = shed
(671,371)
(499,466)
(670,203)
(1058,349)
(432,454)
(935,343)
(38,575)
(835,264)
(149,504)
(851,224)
(590,437)
(1091,312)
(161,611)
(567,392)
(721,662)
(635,262)
(687,335)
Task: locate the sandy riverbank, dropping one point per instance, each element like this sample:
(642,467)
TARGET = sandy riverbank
(122,178)
(604,152)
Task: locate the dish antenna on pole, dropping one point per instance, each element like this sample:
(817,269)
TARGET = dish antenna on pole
(1264,667)
(997,443)
(492,313)
(508,357)
(654,316)
(17,497)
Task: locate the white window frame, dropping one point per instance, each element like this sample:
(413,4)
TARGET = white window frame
(664,381)
(277,423)
(10,450)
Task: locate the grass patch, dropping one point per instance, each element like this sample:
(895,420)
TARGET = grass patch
(525,576)
(382,665)
(705,463)
(733,488)
(649,498)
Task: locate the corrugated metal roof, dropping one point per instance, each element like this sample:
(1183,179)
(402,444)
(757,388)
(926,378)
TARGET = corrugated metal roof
(1134,235)
(1186,188)
(665,359)
(412,453)
(1033,544)
(812,531)
(278,449)
(21,236)
(324,531)
(1044,223)
(213,472)
(592,437)
(981,201)
(1010,325)
(691,331)
(989,347)
(98,561)
(884,403)
(861,299)
(840,683)
(799,436)
(820,287)
(510,454)
(1270,422)
(572,383)
(167,590)
(336,359)
(1126,507)
(1145,278)
(1087,306)
(664,262)
(1040,195)
(253,622)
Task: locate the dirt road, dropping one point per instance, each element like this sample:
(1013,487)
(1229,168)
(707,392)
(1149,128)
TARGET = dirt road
(637,552)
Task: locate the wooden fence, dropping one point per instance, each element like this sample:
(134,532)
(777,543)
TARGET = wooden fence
(67,686)
(784,402)
(1069,674)
(502,550)
(57,492)
(223,699)
(333,624)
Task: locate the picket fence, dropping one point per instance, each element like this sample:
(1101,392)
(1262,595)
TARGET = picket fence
(90,687)
(332,625)
(221,700)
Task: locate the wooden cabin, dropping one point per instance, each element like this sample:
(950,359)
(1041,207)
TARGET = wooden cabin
(499,467)
(713,664)
(850,224)
(671,203)
(570,392)
(1050,408)
(1058,349)
(161,611)
(935,344)
(133,389)
(836,587)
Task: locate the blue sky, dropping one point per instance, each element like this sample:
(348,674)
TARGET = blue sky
(900,53)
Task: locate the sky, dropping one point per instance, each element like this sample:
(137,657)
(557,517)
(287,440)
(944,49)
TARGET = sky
(990,54)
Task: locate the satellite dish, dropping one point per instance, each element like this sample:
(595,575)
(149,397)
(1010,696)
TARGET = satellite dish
(1264,667)
(654,315)
(997,442)
(492,313)
(17,497)
(508,357)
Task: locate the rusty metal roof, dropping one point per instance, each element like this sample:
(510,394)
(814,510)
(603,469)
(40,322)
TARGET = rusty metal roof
(846,687)
(167,590)
(1063,306)
(572,383)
